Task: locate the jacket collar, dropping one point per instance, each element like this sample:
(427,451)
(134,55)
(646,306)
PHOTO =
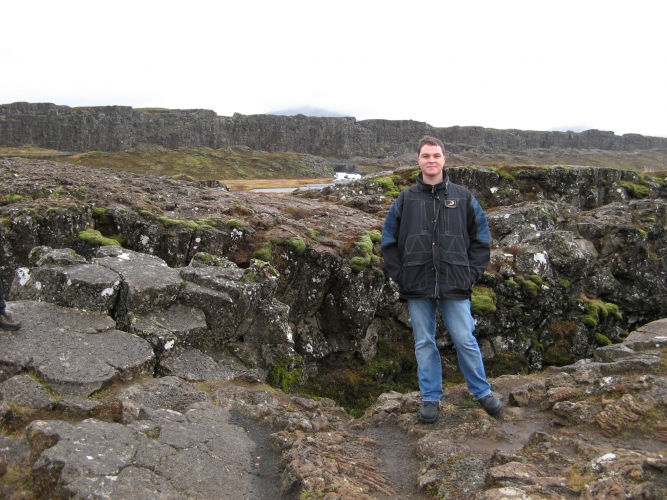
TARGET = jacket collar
(428,187)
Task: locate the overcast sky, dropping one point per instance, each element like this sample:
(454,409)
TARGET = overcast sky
(525,64)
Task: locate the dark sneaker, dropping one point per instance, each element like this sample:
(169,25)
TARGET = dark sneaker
(429,412)
(491,404)
(7,323)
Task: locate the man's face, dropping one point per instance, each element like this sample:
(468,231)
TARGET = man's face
(431,161)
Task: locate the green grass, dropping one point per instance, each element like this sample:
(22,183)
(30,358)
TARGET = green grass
(200,163)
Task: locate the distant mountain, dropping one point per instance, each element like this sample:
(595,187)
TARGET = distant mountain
(570,128)
(307,111)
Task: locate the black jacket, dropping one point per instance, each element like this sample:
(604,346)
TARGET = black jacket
(436,241)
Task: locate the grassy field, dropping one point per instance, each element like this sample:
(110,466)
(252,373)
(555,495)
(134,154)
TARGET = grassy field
(197,163)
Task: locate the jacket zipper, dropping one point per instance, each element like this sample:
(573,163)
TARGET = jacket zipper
(436,267)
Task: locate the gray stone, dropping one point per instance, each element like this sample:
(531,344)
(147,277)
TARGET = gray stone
(610,353)
(25,391)
(14,450)
(167,392)
(570,413)
(148,284)
(197,454)
(74,352)
(195,366)
(131,482)
(527,394)
(82,286)
(170,328)
(77,404)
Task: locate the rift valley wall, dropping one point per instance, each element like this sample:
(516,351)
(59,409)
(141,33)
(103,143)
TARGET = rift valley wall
(115,128)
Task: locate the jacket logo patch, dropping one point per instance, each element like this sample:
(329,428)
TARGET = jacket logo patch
(450,203)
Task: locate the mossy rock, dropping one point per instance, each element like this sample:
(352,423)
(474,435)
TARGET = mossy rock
(537,279)
(635,190)
(558,355)
(264,253)
(564,283)
(297,244)
(235,223)
(285,373)
(99,212)
(358,264)
(375,235)
(14,198)
(94,237)
(602,340)
(365,244)
(528,287)
(482,301)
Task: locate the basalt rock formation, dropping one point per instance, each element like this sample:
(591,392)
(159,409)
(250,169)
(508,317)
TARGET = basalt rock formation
(578,260)
(115,128)
(155,310)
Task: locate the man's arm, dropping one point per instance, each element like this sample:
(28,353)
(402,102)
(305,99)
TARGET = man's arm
(479,251)
(390,252)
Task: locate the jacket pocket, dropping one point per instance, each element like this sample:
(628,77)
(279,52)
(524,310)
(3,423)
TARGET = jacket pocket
(415,276)
(456,273)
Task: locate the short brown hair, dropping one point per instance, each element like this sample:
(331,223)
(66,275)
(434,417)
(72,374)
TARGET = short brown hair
(431,141)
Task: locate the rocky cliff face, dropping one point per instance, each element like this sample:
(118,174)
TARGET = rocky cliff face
(114,128)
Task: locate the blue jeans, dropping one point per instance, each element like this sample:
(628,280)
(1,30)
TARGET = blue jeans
(459,323)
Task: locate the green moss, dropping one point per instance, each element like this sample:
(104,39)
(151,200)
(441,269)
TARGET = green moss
(297,244)
(190,224)
(597,310)
(356,386)
(505,364)
(613,310)
(483,301)
(388,187)
(642,233)
(99,212)
(119,238)
(145,213)
(208,222)
(94,237)
(264,253)
(375,235)
(58,193)
(535,278)
(564,283)
(365,244)
(235,223)
(558,354)
(14,198)
(313,233)
(511,282)
(528,287)
(6,222)
(635,190)
(601,339)
(183,177)
(360,263)
(285,373)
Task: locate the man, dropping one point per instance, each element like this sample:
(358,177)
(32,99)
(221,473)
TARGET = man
(436,245)
(6,321)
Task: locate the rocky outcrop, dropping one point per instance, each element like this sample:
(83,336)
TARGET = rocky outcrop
(578,256)
(115,128)
(594,433)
